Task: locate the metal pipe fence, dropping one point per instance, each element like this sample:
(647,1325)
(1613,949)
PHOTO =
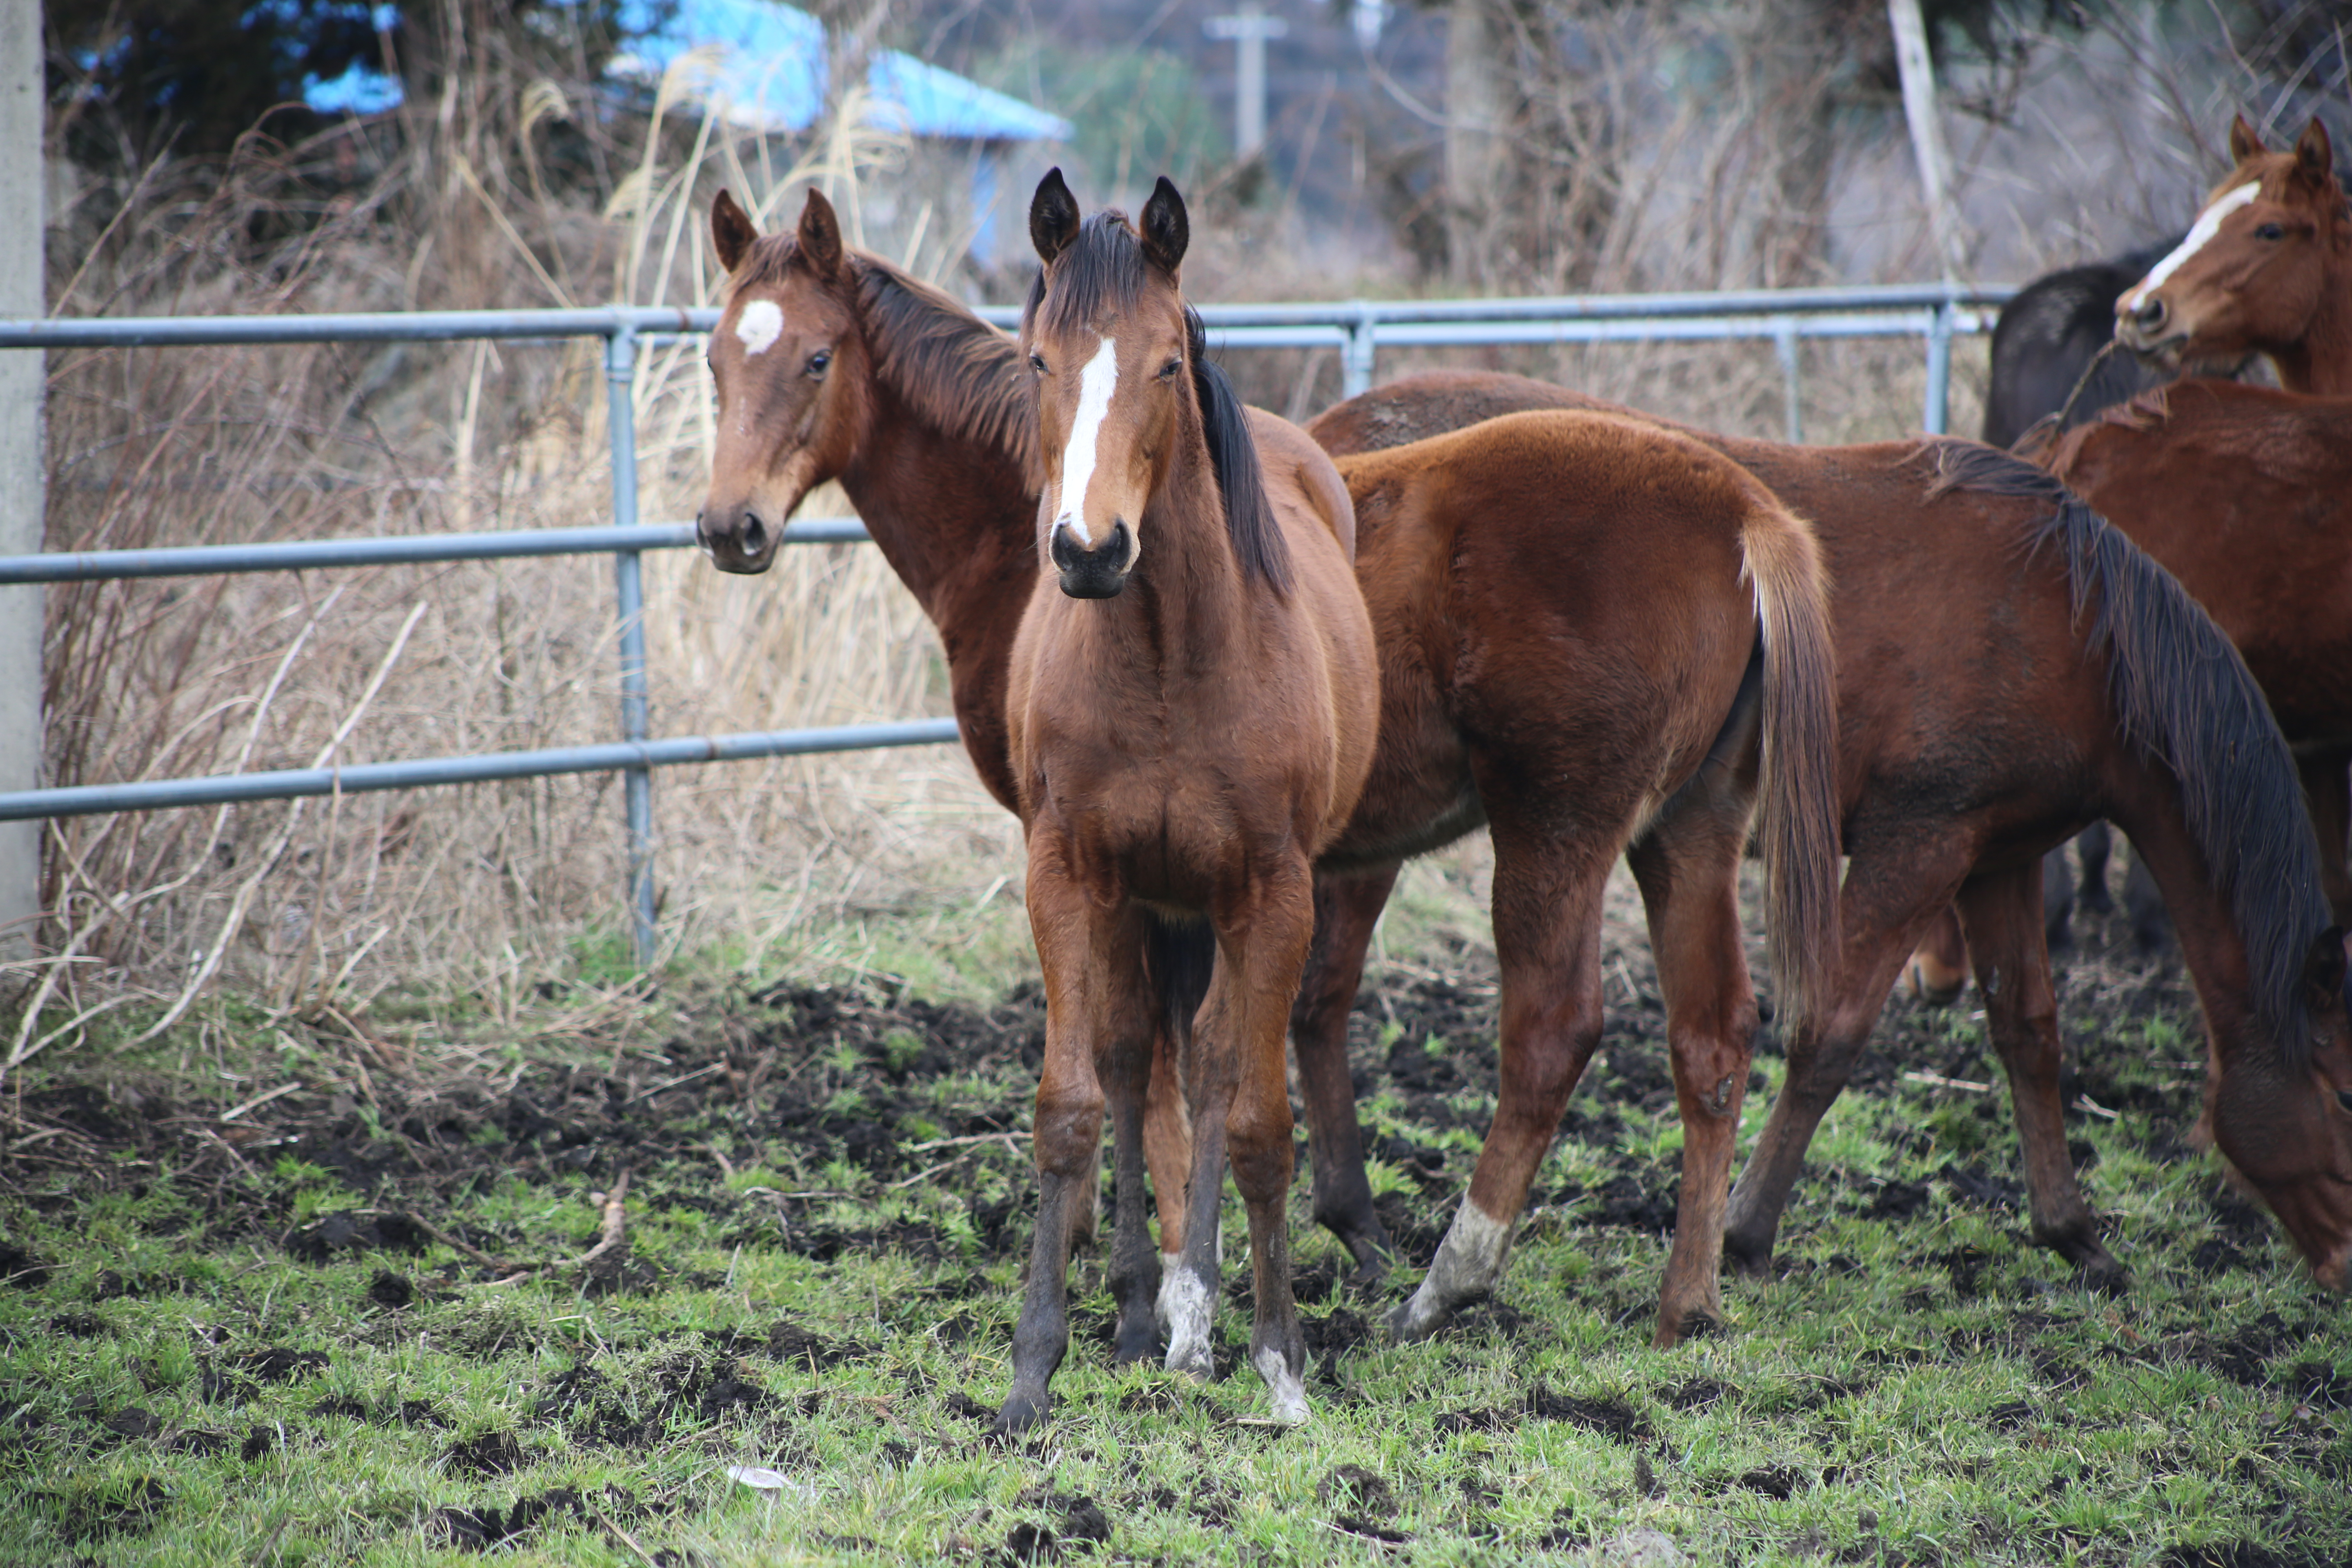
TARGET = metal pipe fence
(1357,330)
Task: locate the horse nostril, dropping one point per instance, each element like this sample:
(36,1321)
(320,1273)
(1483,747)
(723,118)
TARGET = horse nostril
(755,535)
(2150,316)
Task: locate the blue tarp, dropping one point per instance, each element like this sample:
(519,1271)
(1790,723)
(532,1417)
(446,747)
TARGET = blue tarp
(774,69)
(771,75)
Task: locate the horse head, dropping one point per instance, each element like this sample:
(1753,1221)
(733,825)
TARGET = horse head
(789,359)
(2259,264)
(2285,1127)
(1108,339)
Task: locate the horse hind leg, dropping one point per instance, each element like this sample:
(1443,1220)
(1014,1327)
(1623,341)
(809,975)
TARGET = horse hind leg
(1688,870)
(1886,907)
(2057,896)
(1346,910)
(2151,922)
(1546,905)
(2093,844)
(2022,1018)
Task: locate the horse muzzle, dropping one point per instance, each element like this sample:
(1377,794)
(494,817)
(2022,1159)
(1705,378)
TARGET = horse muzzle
(1099,572)
(2146,328)
(737,539)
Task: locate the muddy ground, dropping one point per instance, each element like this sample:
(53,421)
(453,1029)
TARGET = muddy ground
(847,1095)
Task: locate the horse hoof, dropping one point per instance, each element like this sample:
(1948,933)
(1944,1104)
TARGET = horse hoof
(1746,1258)
(1020,1414)
(1200,1365)
(2104,1275)
(1136,1342)
(1413,1321)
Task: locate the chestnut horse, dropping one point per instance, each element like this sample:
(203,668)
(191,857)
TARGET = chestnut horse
(1189,720)
(1527,669)
(2245,495)
(2009,667)
(2266,269)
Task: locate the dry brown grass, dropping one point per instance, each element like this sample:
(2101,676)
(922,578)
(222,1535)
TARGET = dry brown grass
(489,889)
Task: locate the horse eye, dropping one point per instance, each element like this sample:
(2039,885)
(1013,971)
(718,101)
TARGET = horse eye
(1168,371)
(818,361)
(1037,364)
(2344,1098)
(2270,231)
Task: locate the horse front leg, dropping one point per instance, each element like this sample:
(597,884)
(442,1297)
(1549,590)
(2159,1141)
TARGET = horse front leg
(1886,907)
(2329,800)
(1346,910)
(2002,913)
(1547,938)
(1263,952)
(1688,871)
(1092,962)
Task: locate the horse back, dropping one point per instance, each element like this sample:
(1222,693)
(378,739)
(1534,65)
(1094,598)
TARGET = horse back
(2244,494)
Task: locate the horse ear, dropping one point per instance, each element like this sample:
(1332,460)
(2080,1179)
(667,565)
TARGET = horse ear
(1167,229)
(2244,142)
(2323,973)
(819,235)
(732,231)
(2312,154)
(1053,216)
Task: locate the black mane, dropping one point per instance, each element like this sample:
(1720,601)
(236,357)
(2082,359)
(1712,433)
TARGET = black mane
(1103,271)
(2182,695)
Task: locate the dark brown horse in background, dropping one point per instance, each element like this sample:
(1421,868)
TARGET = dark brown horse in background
(1191,719)
(2054,347)
(2009,667)
(1539,607)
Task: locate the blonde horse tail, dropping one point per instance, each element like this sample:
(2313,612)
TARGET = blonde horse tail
(1798,800)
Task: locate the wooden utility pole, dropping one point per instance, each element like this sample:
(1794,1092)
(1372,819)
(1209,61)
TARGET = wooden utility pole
(21,487)
(1911,57)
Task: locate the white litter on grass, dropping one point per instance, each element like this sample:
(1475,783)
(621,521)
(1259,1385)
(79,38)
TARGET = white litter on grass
(766,1480)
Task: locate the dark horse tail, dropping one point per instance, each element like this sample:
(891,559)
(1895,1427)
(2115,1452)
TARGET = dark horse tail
(1797,798)
(2183,696)
(1180,956)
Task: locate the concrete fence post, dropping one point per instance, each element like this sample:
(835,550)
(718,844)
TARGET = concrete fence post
(22,488)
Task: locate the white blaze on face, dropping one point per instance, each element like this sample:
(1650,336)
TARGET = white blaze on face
(2207,225)
(760,325)
(1095,383)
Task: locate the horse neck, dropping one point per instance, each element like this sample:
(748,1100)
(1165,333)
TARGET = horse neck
(1185,601)
(953,515)
(2321,366)
(950,510)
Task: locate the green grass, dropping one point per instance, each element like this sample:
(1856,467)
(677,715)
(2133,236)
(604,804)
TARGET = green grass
(1925,1387)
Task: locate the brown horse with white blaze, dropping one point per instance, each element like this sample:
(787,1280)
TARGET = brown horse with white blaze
(1561,607)
(1189,720)
(2266,269)
(2010,668)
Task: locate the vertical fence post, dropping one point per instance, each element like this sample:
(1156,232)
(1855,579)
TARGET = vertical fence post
(1356,356)
(23,482)
(620,383)
(1940,370)
(1784,344)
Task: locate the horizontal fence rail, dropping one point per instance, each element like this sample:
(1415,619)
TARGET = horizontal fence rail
(1357,330)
